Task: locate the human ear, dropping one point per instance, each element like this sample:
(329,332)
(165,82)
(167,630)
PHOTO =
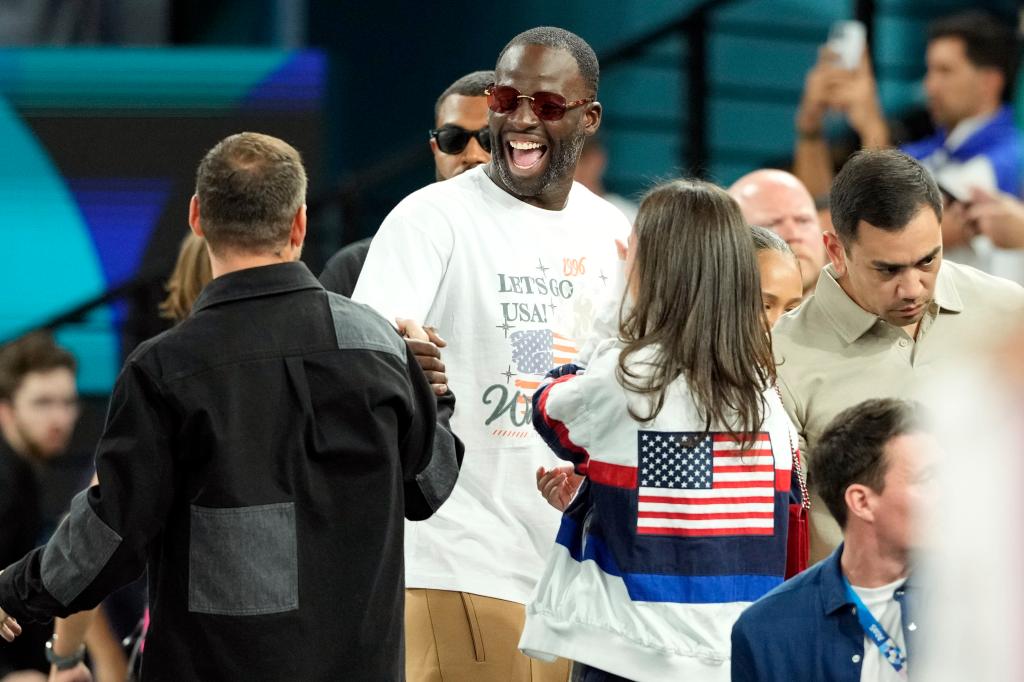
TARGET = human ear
(592,118)
(836,252)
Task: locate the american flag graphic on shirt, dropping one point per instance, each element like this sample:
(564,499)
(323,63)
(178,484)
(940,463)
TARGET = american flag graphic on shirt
(535,352)
(703,484)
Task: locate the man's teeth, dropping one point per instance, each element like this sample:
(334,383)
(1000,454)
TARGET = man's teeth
(515,144)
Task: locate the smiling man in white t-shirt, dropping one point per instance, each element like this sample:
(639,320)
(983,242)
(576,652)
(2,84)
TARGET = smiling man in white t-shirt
(508,261)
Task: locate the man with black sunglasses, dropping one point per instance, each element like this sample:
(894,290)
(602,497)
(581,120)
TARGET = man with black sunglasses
(460,140)
(507,261)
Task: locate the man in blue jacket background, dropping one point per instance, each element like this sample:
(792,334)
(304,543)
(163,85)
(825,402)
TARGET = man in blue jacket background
(850,617)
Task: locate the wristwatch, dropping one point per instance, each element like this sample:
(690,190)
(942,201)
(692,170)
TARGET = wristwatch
(63,662)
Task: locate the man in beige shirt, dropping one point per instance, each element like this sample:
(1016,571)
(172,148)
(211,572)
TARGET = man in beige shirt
(886,311)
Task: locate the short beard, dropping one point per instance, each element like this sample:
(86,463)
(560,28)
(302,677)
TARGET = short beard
(33,449)
(561,166)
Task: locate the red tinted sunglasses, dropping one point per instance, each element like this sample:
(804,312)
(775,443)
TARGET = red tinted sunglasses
(547,106)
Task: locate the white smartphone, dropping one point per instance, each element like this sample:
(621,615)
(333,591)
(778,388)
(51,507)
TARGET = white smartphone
(847,39)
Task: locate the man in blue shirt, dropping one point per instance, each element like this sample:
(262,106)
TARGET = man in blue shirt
(849,618)
(971,63)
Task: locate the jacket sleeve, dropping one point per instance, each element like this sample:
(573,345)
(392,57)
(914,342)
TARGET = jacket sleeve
(559,414)
(431,453)
(102,544)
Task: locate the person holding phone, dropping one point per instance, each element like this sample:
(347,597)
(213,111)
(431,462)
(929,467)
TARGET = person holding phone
(971,64)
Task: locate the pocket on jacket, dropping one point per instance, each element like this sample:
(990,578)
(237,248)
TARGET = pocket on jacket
(242,560)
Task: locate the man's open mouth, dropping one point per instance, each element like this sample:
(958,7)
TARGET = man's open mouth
(526,155)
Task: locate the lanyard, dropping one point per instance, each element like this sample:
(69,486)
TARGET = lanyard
(874,630)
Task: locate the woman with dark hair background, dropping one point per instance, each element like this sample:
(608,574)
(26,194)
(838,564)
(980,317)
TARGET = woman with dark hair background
(781,286)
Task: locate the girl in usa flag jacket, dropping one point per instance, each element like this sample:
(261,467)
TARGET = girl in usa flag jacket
(682,518)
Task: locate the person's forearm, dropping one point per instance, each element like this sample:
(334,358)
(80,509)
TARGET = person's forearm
(69,633)
(812,163)
(108,659)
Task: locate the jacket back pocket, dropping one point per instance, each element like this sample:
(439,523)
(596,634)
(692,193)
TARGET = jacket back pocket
(242,560)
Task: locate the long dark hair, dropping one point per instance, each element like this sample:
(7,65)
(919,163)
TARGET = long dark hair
(698,304)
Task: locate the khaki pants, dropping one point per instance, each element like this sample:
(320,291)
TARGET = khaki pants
(462,637)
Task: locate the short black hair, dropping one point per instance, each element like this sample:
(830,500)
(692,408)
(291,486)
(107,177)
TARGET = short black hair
(883,187)
(988,42)
(471,85)
(560,39)
(852,449)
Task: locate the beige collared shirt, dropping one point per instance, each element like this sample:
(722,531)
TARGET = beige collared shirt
(832,354)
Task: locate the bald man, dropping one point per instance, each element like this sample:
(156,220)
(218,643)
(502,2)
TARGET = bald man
(779,201)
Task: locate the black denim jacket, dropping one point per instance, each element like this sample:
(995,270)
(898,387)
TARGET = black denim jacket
(259,458)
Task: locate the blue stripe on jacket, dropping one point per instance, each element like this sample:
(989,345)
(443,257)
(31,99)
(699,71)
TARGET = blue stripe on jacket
(676,586)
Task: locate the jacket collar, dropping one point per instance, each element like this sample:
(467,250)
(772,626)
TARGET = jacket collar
(833,590)
(254,282)
(852,321)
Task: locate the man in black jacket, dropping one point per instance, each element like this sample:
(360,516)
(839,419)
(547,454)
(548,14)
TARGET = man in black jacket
(259,458)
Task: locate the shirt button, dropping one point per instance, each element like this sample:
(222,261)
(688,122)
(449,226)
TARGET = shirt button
(903,343)
(856,658)
(912,627)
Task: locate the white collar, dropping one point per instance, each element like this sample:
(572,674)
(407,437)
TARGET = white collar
(965,128)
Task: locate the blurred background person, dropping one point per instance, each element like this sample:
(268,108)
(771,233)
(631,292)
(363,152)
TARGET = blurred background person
(972,60)
(590,172)
(460,140)
(191,273)
(974,551)
(972,64)
(38,478)
(778,201)
(990,225)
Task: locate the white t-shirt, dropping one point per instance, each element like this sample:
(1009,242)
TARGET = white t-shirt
(887,611)
(514,290)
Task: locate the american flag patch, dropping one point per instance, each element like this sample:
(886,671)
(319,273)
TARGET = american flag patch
(703,484)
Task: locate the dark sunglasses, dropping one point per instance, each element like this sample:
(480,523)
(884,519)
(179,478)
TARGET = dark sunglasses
(547,106)
(452,139)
